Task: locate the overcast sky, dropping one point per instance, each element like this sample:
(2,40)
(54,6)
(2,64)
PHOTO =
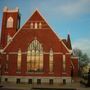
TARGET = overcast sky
(64,16)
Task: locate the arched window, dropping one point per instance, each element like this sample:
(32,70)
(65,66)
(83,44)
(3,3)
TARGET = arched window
(40,25)
(64,63)
(35,57)
(51,61)
(31,25)
(10,22)
(19,58)
(36,25)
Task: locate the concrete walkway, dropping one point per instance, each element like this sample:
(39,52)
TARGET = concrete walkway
(17,86)
(23,86)
(73,85)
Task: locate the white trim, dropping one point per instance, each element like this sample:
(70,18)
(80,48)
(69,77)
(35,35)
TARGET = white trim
(35,25)
(6,9)
(36,21)
(34,28)
(57,80)
(9,23)
(74,57)
(26,53)
(17,52)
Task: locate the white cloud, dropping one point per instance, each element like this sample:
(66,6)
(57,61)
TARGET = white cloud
(83,44)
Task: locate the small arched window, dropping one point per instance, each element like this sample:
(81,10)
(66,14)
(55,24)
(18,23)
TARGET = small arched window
(31,25)
(40,25)
(10,22)
(36,25)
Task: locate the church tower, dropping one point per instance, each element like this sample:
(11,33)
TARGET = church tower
(10,25)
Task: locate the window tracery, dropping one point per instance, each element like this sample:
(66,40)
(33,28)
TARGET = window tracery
(35,57)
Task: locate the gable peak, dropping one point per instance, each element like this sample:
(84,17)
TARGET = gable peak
(37,13)
(37,10)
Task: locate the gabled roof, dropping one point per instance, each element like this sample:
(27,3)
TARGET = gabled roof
(46,36)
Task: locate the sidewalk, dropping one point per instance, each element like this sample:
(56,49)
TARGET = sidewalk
(23,86)
(73,85)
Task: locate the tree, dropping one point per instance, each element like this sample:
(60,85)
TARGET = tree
(83,57)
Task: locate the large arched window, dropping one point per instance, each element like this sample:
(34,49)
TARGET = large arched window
(40,25)
(10,22)
(35,57)
(19,58)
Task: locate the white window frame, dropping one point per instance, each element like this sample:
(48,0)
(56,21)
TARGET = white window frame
(36,25)
(10,22)
(64,63)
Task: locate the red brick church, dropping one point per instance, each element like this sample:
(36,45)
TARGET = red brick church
(34,53)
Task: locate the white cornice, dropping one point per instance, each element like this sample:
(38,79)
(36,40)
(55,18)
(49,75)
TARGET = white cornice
(73,57)
(6,9)
(26,53)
